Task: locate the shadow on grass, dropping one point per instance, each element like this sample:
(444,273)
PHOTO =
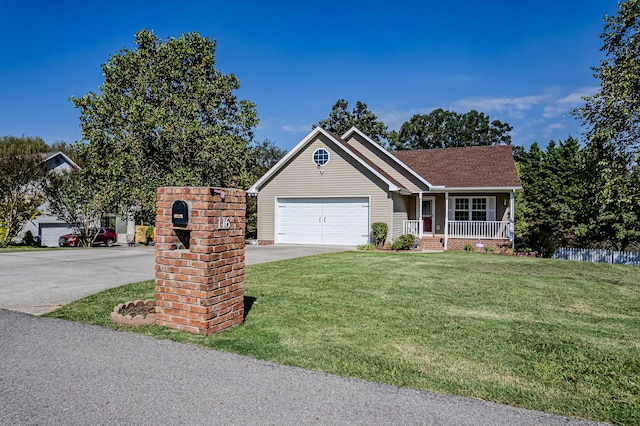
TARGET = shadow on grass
(248,303)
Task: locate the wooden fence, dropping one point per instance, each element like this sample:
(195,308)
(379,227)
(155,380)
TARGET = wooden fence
(598,255)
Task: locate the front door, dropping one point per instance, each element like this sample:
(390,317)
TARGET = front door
(427,216)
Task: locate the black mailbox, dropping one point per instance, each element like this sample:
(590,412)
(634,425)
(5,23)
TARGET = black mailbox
(180,213)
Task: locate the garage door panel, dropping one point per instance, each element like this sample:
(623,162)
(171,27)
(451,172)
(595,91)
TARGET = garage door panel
(50,234)
(331,221)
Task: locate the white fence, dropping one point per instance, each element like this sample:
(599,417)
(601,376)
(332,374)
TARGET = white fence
(598,255)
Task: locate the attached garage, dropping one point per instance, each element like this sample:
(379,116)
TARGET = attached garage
(329,221)
(51,232)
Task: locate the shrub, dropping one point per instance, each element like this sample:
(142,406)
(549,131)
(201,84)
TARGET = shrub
(489,249)
(149,232)
(367,247)
(404,242)
(468,247)
(28,239)
(379,231)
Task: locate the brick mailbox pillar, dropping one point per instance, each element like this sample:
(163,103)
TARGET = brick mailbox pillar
(200,258)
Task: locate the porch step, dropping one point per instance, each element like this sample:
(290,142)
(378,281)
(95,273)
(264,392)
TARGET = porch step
(431,243)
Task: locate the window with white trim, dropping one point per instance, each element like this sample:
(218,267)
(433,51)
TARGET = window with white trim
(473,208)
(461,209)
(320,157)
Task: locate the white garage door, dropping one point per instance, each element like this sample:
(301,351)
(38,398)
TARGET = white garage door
(330,221)
(50,233)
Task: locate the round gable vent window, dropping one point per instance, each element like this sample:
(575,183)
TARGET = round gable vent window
(320,157)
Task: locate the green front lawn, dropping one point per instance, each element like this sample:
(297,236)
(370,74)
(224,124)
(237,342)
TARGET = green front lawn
(13,249)
(555,336)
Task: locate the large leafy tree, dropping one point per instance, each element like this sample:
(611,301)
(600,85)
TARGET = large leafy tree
(164,115)
(448,129)
(340,120)
(612,120)
(612,115)
(21,176)
(23,145)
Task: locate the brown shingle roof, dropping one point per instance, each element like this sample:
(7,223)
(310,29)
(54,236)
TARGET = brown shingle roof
(468,167)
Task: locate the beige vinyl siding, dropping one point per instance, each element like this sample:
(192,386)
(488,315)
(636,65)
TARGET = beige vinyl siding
(388,165)
(342,176)
(400,214)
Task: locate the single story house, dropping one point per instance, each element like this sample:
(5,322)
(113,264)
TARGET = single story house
(329,189)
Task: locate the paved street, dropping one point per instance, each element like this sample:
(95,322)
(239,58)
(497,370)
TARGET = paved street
(56,372)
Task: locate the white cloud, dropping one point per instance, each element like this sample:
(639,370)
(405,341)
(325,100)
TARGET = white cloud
(566,104)
(306,128)
(555,126)
(513,106)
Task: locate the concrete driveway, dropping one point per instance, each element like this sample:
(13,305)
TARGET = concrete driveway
(40,281)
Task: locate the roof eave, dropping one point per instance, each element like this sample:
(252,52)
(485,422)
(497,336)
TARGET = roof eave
(477,189)
(66,157)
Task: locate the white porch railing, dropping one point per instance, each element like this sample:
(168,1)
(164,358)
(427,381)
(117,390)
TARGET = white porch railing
(466,229)
(479,229)
(411,227)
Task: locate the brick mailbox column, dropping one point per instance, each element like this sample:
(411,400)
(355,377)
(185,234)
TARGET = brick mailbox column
(200,264)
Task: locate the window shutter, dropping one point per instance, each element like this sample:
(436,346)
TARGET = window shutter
(491,208)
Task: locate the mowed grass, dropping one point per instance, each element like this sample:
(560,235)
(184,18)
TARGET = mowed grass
(555,336)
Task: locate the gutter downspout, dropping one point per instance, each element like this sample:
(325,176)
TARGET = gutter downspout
(446,220)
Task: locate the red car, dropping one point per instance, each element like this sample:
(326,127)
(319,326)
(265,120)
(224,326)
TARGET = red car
(106,236)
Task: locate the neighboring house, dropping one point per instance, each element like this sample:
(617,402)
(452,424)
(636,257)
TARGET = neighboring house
(48,228)
(330,189)
(45,227)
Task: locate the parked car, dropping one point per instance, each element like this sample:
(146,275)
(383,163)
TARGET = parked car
(106,236)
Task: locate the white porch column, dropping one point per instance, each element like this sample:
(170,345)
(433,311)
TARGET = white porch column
(446,219)
(419,209)
(512,219)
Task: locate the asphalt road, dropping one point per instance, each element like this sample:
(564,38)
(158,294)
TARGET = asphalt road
(56,372)
(37,282)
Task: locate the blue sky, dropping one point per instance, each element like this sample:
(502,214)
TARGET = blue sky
(523,62)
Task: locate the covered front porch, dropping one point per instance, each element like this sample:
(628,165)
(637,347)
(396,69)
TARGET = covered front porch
(464,217)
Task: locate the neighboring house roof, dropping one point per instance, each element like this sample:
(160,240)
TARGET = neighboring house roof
(472,167)
(50,159)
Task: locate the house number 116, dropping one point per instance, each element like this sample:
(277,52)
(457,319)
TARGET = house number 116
(224,223)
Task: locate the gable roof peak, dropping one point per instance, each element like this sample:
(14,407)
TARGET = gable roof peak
(341,144)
